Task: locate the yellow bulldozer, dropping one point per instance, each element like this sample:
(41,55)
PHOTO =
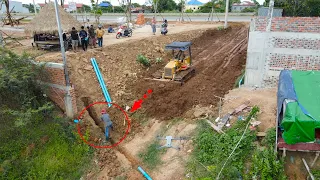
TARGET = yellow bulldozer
(179,68)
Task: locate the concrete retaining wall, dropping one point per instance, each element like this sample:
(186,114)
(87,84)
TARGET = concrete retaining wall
(270,52)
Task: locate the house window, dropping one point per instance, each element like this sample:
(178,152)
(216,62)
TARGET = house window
(194,8)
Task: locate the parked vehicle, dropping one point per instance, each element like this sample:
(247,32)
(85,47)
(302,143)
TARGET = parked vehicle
(124,32)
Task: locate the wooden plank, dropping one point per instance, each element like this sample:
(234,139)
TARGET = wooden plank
(48,42)
(215,127)
(307,167)
(261,134)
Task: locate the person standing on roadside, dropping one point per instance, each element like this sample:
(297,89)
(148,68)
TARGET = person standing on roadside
(92,35)
(84,38)
(153,25)
(100,33)
(74,39)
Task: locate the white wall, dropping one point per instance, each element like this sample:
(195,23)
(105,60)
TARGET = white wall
(17,7)
(270,52)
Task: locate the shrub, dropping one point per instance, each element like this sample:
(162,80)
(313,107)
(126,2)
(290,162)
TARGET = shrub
(158,60)
(143,60)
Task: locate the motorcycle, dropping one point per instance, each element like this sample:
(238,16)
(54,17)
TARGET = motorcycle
(127,33)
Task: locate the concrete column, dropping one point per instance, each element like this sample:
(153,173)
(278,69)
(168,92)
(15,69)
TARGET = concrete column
(226,15)
(68,103)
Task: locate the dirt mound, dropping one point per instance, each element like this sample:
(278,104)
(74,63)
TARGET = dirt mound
(265,99)
(219,57)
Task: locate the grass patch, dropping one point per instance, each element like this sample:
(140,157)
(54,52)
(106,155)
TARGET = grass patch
(49,150)
(151,157)
(141,118)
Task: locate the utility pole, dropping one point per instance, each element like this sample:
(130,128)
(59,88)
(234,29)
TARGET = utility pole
(226,15)
(270,13)
(35,9)
(68,101)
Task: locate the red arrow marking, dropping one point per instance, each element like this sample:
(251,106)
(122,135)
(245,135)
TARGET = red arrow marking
(137,104)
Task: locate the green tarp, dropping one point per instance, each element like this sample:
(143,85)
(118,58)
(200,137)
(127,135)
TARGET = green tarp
(302,117)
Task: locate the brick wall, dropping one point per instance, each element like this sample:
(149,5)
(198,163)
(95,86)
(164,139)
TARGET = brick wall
(57,89)
(289,24)
(56,76)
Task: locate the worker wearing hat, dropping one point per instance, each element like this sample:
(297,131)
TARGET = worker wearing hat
(100,33)
(107,122)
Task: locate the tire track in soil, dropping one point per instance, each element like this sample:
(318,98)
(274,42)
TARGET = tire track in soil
(174,100)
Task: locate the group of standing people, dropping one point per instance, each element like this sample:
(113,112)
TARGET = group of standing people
(164,26)
(85,37)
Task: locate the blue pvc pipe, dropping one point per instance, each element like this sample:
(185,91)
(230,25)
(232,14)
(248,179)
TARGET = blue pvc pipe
(241,81)
(103,84)
(101,81)
(144,173)
(98,77)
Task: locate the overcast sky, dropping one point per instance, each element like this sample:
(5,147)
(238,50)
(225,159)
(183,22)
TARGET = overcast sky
(114,2)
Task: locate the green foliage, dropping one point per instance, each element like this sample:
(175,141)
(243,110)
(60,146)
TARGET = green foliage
(220,28)
(189,11)
(30,7)
(164,5)
(35,144)
(265,165)
(136,5)
(218,6)
(248,10)
(303,8)
(212,149)
(86,8)
(143,60)
(151,156)
(158,60)
(316,173)
(270,139)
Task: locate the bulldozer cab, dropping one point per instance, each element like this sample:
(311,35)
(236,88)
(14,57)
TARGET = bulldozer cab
(181,51)
(181,60)
(179,68)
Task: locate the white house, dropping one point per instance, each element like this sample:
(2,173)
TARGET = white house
(17,7)
(238,7)
(193,5)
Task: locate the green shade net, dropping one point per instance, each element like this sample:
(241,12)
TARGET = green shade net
(298,126)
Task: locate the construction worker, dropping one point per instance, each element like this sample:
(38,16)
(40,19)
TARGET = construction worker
(107,122)
(100,33)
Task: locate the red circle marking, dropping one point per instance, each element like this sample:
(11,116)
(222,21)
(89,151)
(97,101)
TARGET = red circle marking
(113,145)
(145,96)
(149,91)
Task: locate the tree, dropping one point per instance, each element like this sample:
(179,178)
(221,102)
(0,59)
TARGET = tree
(86,8)
(30,7)
(136,5)
(96,10)
(304,8)
(164,5)
(6,3)
(218,6)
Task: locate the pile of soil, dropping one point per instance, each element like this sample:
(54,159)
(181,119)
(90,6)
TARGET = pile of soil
(218,64)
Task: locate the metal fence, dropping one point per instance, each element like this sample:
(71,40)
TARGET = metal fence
(263,11)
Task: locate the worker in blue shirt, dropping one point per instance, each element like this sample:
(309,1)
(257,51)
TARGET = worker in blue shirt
(107,122)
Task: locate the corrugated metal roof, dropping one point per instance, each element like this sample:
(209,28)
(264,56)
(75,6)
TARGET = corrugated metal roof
(195,3)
